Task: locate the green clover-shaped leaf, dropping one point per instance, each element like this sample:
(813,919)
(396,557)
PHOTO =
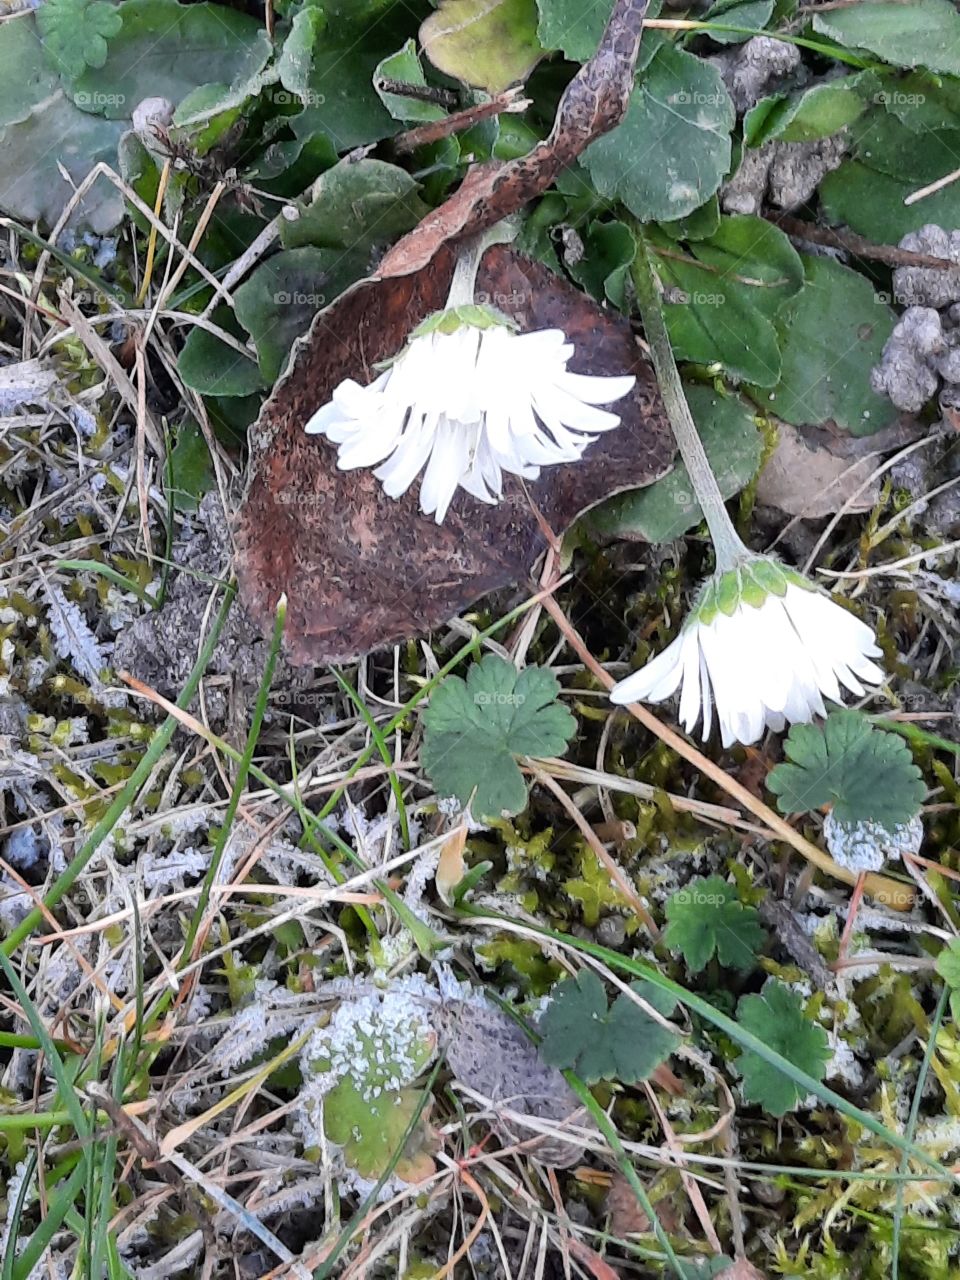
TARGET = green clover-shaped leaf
(475,729)
(620,1043)
(776,1017)
(706,918)
(75,33)
(865,773)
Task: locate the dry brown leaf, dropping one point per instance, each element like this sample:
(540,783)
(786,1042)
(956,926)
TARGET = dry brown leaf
(362,570)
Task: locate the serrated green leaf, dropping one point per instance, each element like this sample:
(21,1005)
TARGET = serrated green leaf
(163,49)
(623,1043)
(75,33)
(706,918)
(489,44)
(476,727)
(865,773)
(776,1017)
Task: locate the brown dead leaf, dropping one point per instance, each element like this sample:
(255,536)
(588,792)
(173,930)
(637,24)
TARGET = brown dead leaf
(813,472)
(361,570)
(627,1215)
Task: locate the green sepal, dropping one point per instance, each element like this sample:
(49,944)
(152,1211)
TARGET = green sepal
(728,592)
(476,315)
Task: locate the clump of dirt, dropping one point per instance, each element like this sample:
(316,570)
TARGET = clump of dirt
(160,647)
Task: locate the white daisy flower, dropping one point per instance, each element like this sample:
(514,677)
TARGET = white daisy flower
(470,399)
(762,645)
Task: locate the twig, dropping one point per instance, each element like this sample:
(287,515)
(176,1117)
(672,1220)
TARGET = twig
(613,869)
(797,229)
(435,130)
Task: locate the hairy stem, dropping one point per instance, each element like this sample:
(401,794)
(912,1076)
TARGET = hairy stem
(729,549)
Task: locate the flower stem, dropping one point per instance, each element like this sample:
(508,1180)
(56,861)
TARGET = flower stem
(728,547)
(464,283)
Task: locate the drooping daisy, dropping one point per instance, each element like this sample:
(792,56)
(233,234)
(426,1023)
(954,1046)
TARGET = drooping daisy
(470,398)
(763,646)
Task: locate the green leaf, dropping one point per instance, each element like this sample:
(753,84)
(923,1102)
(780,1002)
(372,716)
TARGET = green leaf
(738,13)
(32,187)
(355,205)
(370,1131)
(404,67)
(489,44)
(669,507)
(296,56)
(921,101)
(338,93)
(75,33)
(610,248)
(776,1017)
(884,143)
(831,335)
(948,964)
(192,470)
(865,773)
(670,152)
(594,889)
(208,365)
(476,727)
(814,113)
(573,27)
(166,50)
(700,225)
(278,302)
(924,33)
(707,919)
(872,203)
(25,75)
(733,284)
(582,1034)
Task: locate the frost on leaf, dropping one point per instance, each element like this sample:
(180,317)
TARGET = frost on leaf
(865,846)
(490,1053)
(359,1093)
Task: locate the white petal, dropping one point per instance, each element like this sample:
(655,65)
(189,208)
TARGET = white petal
(594,388)
(664,671)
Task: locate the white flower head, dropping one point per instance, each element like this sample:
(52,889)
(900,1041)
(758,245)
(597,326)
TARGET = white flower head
(469,398)
(765,647)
